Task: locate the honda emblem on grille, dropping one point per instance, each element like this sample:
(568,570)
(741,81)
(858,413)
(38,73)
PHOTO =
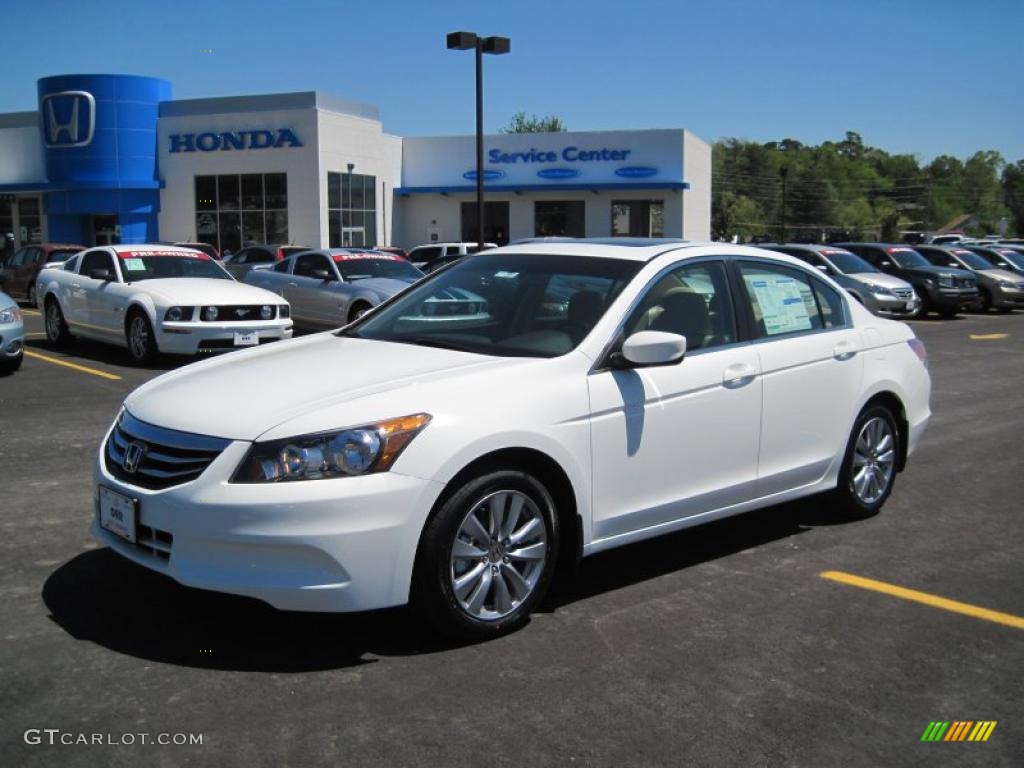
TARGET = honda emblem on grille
(132,456)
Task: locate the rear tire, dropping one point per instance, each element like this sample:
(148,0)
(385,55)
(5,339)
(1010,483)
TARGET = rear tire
(869,466)
(984,301)
(140,337)
(487,557)
(57,332)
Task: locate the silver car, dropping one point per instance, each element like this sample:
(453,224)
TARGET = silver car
(880,293)
(332,287)
(12,335)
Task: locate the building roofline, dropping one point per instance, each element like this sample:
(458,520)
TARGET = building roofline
(269,102)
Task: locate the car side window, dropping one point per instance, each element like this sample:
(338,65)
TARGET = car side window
(96,260)
(692,301)
(260,256)
(71,265)
(19,257)
(38,256)
(781,299)
(830,304)
(425,254)
(282,266)
(309,263)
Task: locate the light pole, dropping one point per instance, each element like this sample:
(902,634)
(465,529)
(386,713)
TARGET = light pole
(351,167)
(464,41)
(783,172)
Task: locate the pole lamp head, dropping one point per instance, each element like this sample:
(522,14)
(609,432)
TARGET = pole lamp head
(461,41)
(351,167)
(497,45)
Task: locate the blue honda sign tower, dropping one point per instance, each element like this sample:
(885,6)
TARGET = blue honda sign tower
(99,139)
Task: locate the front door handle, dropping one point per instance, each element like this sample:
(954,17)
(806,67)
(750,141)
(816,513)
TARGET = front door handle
(738,375)
(844,350)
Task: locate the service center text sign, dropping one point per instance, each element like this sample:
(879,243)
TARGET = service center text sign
(230,140)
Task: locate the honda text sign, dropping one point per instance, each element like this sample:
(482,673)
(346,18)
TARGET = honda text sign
(69,118)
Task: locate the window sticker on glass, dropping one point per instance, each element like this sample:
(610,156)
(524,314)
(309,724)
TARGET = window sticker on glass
(507,275)
(782,305)
(134,265)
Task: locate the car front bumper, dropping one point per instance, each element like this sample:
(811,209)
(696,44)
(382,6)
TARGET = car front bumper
(894,306)
(190,338)
(336,545)
(1005,298)
(12,340)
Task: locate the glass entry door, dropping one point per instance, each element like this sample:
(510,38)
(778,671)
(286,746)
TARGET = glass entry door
(495,223)
(105,230)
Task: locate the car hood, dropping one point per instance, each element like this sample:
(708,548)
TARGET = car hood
(931,271)
(881,279)
(205,290)
(242,395)
(385,286)
(1000,274)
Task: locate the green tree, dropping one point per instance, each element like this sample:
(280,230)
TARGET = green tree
(1013,189)
(523,123)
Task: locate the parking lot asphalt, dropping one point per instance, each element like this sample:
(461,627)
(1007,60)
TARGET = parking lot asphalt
(721,646)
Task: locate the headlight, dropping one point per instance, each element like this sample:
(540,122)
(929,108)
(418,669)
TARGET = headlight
(11,315)
(343,453)
(880,290)
(1008,285)
(945,281)
(284,311)
(174,314)
(210,314)
(266,312)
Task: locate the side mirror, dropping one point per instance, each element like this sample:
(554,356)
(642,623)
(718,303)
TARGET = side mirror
(101,274)
(953,265)
(322,274)
(649,348)
(824,268)
(884,264)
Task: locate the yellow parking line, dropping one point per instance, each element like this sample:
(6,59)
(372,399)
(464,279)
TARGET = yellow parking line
(31,312)
(966,609)
(988,336)
(73,366)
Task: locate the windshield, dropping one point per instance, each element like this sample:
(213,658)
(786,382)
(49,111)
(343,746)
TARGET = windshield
(1014,257)
(509,305)
(973,260)
(848,263)
(908,258)
(361,268)
(140,267)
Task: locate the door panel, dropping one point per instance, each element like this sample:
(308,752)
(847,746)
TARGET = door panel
(674,441)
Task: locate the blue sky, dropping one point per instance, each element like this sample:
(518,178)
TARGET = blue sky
(923,76)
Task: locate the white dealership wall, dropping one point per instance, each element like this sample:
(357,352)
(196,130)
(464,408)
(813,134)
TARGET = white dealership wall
(437,177)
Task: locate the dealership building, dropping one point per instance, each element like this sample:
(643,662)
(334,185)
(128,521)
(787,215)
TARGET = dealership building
(114,158)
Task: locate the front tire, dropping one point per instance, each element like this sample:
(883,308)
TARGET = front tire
(57,332)
(487,557)
(869,466)
(359,309)
(984,301)
(9,365)
(141,339)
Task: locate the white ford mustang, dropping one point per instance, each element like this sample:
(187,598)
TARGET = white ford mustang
(578,396)
(157,298)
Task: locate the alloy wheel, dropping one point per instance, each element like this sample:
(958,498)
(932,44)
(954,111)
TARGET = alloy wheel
(52,322)
(138,338)
(874,460)
(498,554)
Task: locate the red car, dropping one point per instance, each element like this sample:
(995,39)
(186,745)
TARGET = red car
(19,275)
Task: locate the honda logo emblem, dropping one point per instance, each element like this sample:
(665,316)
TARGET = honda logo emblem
(132,456)
(69,118)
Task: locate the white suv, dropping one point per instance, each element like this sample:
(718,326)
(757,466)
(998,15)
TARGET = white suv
(527,406)
(429,258)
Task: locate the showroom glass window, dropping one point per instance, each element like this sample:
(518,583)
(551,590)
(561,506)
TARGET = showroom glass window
(559,218)
(351,210)
(236,210)
(638,218)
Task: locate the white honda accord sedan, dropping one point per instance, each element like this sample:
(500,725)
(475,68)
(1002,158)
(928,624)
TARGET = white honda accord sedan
(514,411)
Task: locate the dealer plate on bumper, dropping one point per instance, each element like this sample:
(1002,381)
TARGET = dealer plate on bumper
(119,514)
(250,339)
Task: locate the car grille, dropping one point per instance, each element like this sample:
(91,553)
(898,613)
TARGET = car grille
(168,457)
(237,313)
(154,542)
(903,293)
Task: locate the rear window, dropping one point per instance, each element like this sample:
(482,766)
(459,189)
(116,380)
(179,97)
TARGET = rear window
(61,255)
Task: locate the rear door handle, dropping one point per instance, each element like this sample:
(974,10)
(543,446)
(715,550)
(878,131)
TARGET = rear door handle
(844,350)
(738,375)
